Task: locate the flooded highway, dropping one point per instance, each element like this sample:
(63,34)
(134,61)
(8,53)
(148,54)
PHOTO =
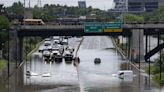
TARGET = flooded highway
(86,77)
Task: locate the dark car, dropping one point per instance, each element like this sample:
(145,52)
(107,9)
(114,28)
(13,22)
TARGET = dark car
(97,61)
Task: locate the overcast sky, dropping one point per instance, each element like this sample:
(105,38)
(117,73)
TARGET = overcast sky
(102,4)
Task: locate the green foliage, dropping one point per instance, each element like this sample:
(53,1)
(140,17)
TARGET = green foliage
(123,46)
(153,70)
(156,78)
(3,64)
(4,22)
(51,12)
(133,18)
(4,26)
(16,9)
(30,44)
(157,15)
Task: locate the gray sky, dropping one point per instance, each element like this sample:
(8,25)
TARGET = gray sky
(102,4)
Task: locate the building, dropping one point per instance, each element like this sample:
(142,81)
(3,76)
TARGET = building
(161,2)
(82,4)
(138,6)
(120,5)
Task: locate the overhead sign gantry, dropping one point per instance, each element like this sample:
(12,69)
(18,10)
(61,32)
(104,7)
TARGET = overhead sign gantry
(103,27)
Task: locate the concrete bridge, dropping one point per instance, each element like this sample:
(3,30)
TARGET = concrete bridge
(76,30)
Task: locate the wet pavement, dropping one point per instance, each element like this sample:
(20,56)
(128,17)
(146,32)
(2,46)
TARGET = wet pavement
(87,77)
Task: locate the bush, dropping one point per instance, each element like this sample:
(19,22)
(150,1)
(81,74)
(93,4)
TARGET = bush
(3,64)
(153,70)
(156,78)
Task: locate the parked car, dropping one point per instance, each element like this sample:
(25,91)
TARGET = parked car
(58,47)
(47,43)
(64,42)
(68,56)
(49,48)
(70,49)
(58,58)
(47,55)
(41,49)
(47,39)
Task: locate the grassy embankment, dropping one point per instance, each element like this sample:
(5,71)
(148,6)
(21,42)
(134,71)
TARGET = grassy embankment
(3,64)
(155,71)
(122,46)
(31,46)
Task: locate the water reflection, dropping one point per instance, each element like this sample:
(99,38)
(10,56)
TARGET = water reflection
(88,77)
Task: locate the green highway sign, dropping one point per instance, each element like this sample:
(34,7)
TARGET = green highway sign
(93,27)
(103,27)
(113,25)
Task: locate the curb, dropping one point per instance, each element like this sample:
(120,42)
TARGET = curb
(37,46)
(118,49)
(78,47)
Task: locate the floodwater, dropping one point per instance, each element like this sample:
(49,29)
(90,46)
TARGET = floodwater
(87,77)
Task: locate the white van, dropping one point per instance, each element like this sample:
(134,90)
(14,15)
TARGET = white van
(126,75)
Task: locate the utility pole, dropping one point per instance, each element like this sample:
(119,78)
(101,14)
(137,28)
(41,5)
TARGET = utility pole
(29,4)
(39,3)
(24,3)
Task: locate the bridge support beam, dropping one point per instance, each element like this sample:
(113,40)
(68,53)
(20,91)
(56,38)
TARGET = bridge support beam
(137,45)
(20,50)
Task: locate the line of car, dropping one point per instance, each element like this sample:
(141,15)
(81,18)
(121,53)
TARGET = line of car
(56,49)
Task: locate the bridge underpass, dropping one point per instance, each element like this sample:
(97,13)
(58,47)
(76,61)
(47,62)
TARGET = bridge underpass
(79,31)
(134,32)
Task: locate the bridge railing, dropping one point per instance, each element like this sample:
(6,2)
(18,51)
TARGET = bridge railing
(51,27)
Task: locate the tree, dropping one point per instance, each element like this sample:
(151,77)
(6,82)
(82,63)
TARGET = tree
(157,15)
(133,18)
(18,8)
(4,24)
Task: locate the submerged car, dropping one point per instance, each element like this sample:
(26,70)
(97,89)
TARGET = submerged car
(97,60)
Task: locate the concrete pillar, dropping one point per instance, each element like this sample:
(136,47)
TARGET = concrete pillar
(20,50)
(137,45)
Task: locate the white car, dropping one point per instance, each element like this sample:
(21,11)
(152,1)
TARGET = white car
(55,37)
(70,49)
(47,39)
(41,49)
(49,48)
(56,42)
(47,43)
(46,53)
(54,52)
(65,42)
(58,47)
